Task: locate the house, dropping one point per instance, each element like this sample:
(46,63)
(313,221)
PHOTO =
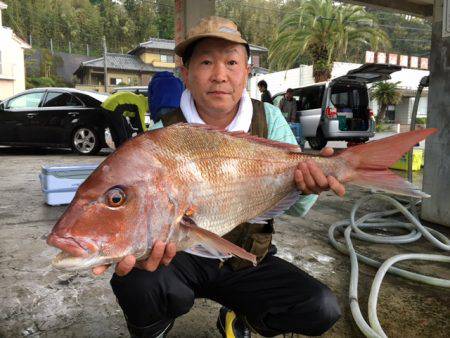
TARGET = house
(12,67)
(139,64)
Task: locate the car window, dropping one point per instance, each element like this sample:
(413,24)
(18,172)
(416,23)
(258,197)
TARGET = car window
(30,100)
(347,97)
(311,97)
(58,99)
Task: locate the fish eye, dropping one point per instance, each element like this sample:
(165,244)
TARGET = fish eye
(115,197)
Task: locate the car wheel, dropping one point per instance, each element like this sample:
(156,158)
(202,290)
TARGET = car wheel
(85,141)
(318,142)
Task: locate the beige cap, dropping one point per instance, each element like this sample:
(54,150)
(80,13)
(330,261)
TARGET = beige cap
(211,27)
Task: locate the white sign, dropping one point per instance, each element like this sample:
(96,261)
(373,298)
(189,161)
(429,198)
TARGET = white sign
(446,19)
(370,57)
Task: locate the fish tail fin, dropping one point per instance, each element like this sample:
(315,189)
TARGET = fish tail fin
(370,162)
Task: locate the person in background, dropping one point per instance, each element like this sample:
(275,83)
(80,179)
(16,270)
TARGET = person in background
(265,94)
(125,113)
(164,93)
(288,106)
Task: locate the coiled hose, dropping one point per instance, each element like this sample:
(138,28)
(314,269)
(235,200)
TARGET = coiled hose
(377,220)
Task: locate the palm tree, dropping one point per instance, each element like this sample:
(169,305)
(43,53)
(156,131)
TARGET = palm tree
(386,93)
(322,30)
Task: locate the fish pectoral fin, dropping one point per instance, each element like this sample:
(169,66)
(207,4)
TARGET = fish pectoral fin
(215,242)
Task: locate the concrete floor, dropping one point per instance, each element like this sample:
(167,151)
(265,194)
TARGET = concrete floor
(37,301)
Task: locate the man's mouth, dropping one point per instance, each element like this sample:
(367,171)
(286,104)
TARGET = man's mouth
(218,92)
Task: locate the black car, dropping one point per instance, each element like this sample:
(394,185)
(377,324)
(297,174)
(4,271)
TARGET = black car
(54,117)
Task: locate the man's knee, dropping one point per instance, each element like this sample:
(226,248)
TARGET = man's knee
(326,313)
(149,296)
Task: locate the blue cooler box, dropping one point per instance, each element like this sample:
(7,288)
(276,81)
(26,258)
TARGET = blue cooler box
(59,183)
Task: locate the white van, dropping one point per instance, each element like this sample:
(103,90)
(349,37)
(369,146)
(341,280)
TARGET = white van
(339,109)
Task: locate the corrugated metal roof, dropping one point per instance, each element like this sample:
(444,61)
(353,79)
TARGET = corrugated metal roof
(169,45)
(121,62)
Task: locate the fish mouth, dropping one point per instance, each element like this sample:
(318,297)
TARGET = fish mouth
(73,247)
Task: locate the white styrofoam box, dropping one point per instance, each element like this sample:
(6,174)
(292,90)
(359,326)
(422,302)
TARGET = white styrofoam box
(59,183)
(348,115)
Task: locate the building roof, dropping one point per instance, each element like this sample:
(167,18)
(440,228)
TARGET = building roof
(169,45)
(120,62)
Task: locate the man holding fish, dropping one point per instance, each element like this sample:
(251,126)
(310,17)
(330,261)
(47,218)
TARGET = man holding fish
(274,297)
(209,189)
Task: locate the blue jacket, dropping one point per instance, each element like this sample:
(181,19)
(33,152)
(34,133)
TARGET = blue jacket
(164,91)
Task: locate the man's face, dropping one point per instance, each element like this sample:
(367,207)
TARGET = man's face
(289,95)
(217,75)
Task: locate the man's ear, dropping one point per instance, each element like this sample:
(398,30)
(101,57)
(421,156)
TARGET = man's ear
(249,68)
(185,75)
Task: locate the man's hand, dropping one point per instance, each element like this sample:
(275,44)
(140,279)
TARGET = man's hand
(310,179)
(161,254)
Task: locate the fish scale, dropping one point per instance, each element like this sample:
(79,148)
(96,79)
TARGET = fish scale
(191,184)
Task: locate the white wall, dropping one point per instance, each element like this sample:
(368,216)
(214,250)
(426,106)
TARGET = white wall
(12,72)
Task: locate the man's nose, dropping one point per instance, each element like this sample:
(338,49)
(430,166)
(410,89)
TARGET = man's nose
(219,73)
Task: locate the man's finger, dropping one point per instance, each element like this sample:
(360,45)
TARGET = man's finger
(98,270)
(300,182)
(169,253)
(152,263)
(125,265)
(309,181)
(318,176)
(327,151)
(336,186)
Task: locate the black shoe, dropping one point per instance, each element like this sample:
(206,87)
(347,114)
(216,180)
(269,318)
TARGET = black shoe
(150,331)
(232,326)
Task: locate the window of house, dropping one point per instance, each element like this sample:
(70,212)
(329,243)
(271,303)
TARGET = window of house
(167,58)
(115,81)
(255,60)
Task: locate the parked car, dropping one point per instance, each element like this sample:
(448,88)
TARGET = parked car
(339,109)
(134,89)
(54,117)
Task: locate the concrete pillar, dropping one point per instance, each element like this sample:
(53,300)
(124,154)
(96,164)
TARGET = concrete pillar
(187,14)
(436,180)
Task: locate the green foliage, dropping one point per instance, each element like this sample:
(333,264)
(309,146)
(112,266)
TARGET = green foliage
(35,82)
(386,93)
(421,120)
(127,23)
(380,127)
(323,30)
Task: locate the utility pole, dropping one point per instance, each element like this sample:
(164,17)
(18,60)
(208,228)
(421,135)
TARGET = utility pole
(87,49)
(105,68)
(31,41)
(70,47)
(51,45)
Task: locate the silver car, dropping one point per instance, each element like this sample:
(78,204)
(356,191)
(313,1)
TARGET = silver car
(339,109)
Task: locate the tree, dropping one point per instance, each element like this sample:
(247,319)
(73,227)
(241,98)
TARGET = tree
(386,93)
(323,30)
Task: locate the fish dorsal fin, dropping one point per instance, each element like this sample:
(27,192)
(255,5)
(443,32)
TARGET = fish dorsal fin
(279,208)
(242,135)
